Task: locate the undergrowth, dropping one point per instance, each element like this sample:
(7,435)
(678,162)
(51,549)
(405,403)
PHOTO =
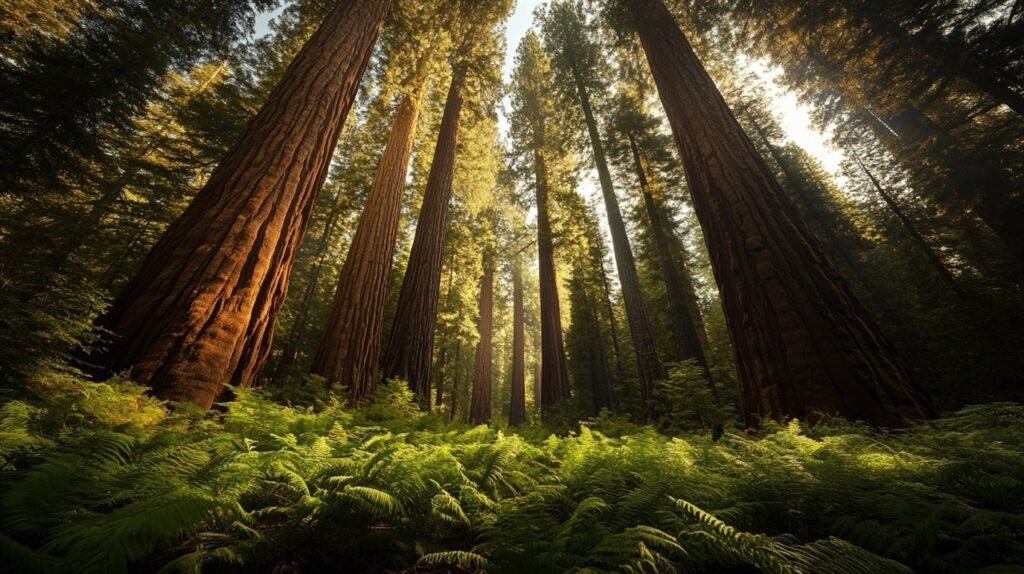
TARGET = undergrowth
(260,487)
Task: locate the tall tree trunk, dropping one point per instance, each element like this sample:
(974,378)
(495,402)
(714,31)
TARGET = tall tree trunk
(554,381)
(480,407)
(441,368)
(455,379)
(411,345)
(597,357)
(804,344)
(613,324)
(649,365)
(349,349)
(911,229)
(291,348)
(536,373)
(685,323)
(517,408)
(981,185)
(200,312)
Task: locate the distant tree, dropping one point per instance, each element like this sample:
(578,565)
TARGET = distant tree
(480,409)
(532,99)
(576,60)
(587,339)
(476,47)
(517,407)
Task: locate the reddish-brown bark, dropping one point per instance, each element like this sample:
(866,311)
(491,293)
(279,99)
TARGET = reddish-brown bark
(349,349)
(804,344)
(517,408)
(200,312)
(411,345)
(554,372)
(480,407)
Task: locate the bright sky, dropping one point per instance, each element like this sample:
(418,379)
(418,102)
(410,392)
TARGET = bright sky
(793,116)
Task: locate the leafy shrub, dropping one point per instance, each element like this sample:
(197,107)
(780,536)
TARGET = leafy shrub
(686,400)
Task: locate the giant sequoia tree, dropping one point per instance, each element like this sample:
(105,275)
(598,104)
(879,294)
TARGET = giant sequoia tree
(804,344)
(533,107)
(349,349)
(200,312)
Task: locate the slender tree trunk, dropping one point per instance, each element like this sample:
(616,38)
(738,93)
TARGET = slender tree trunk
(554,385)
(517,408)
(291,347)
(480,408)
(536,374)
(981,185)
(442,366)
(641,331)
(455,379)
(911,229)
(686,323)
(411,345)
(349,349)
(597,357)
(200,312)
(804,344)
(613,324)
(439,367)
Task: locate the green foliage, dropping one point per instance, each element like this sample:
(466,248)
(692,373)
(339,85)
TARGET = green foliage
(685,400)
(392,400)
(262,487)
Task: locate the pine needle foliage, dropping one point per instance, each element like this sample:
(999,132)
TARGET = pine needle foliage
(261,487)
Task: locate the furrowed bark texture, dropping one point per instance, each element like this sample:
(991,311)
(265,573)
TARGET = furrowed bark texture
(480,407)
(554,376)
(649,365)
(803,342)
(200,312)
(517,408)
(411,345)
(350,347)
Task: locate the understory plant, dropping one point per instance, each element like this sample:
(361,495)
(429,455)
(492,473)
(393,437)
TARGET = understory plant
(261,487)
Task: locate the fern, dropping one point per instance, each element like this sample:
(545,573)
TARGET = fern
(266,487)
(454,558)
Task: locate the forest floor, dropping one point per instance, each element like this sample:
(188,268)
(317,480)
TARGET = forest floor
(101,479)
